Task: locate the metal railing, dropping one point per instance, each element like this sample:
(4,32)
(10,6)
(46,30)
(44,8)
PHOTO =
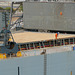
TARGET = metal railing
(47,43)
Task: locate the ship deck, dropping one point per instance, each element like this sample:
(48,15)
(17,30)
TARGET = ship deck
(25,37)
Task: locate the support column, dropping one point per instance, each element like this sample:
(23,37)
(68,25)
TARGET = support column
(26,47)
(18,71)
(73,40)
(33,45)
(69,41)
(43,44)
(53,42)
(29,46)
(50,43)
(45,64)
(60,42)
(39,44)
(10,15)
(63,41)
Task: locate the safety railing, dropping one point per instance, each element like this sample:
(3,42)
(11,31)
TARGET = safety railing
(47,43)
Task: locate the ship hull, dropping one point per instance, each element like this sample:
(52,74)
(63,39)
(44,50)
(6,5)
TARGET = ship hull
(61,63)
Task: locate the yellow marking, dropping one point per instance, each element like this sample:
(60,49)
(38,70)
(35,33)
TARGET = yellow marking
(19,54)
(2,56)
(9,39)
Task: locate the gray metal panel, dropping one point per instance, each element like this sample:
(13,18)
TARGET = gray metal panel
(47,16)
(61,63)
(28,66)
(35,15)
(57,64)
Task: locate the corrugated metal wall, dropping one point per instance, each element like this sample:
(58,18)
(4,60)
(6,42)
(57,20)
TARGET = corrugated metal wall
(47,16)
(56,64)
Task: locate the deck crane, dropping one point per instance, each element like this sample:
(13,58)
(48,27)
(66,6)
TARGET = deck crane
(7,43)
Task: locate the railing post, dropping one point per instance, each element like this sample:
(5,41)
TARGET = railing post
(69,41)
(18,71)
(73,40)
(29,46)
(26,47)
(60,42)
(33,45)
(50,43)
(43,44)
(63,41)
(53,42)
(39,44)
(45,64)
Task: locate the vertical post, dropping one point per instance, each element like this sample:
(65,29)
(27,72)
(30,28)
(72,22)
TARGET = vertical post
(5,34)
(56,42)
(34,45)
(12,37)
(39,44)
(5,21)
(73,40)
(10,15)
(50,43)
(60,42)
(43,44)
(29,46)
(20,47)
(10,55)
(45,63)
(63,42)
(53,42)
(18,71)
(69,41)
(26,47)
